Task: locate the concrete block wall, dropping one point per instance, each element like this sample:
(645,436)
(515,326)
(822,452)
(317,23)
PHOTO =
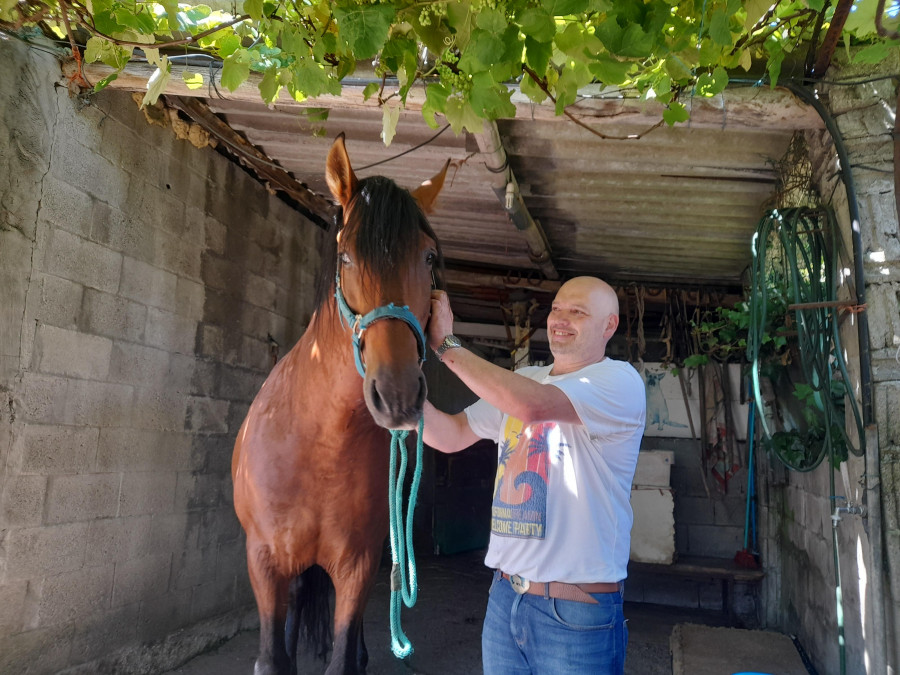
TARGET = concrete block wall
(796,508)
(709,516)
(141,281)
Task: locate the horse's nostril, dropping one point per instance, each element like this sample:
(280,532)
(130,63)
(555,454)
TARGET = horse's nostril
(377,401)
(423,390)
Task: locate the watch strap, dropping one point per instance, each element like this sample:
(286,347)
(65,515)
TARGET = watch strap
(449,342)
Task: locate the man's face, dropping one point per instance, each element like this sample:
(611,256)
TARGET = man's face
(577,322)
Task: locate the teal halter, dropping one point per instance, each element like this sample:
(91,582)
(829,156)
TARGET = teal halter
(358,323)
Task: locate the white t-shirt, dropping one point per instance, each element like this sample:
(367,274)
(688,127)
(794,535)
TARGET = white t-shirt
(562,495)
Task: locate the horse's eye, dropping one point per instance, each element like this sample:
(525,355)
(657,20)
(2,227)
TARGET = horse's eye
(431,258)
(345,258)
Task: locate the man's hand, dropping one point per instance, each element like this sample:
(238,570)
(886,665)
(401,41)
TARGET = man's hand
(440,324)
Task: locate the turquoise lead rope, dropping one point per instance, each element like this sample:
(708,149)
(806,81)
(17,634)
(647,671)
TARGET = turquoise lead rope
(402,554)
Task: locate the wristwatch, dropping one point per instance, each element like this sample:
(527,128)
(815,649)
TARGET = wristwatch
(450,342)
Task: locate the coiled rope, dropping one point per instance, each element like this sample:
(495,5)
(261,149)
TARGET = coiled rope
(402,554)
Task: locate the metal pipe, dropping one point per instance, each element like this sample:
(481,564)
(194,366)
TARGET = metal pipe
(504,184)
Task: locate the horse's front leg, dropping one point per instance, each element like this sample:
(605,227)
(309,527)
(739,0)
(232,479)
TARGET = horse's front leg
(270,590)
(349,656)
(362,654)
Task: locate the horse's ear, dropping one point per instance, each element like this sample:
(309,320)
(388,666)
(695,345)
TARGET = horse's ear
(426,194)
(338,172)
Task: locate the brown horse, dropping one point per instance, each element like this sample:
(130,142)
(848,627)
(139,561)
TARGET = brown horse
(310,465)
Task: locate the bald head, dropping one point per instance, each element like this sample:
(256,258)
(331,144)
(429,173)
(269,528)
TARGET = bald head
(597,292)
(584,316)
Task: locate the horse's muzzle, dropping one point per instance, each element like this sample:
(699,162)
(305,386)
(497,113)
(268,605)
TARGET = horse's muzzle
(396,400)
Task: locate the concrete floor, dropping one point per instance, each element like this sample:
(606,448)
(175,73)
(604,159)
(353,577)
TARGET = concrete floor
(445,628)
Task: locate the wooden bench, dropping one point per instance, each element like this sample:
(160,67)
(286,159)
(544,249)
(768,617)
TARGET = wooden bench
(703,569)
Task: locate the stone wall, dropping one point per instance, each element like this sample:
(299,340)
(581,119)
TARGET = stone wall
(141,279)
(797,508)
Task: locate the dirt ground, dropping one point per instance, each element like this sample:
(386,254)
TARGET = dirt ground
(445,628)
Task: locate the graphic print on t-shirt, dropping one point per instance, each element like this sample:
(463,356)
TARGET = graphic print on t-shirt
(520,489)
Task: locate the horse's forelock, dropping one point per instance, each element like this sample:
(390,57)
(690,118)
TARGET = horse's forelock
(384,221)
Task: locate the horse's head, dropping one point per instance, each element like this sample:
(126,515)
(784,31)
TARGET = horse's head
(387,256)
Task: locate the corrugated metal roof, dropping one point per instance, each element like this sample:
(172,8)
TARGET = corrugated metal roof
(675,208)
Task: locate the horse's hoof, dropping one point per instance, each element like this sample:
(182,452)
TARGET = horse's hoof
(272,669)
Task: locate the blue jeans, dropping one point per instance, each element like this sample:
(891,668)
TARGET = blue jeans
(532,635)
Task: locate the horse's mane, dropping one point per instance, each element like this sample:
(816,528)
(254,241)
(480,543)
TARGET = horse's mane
(385,221)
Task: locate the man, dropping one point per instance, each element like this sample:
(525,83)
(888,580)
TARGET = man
(568,438)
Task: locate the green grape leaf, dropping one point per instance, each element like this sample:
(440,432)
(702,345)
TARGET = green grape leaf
(192,80)
(530,88)
(484,50)
(571,40)
(235,70)
(636,42)
(292,42)
(315,115)
(102,84)
(537,54)
(310,78)
(490,100)
(675,112)
(565,7)
(364,27)
(461,20)
(755,9)
(861,21)
(399,52)
(461,116)
(535,22)
(254,8)
(228,45)
(610,34)
(268,85)
(142,22)
(435,102)
(491,20)
(370,89)
(776,57)
(677,69)
(720,80)
(566,89)
(875,53)
(718,29)
(609,70)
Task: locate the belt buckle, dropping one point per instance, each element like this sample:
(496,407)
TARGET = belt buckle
(519,584)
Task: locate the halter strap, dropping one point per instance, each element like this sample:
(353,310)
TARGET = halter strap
(358,323)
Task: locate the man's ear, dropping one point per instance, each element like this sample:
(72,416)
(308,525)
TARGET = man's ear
(426,194)
(339,174)
(611,324)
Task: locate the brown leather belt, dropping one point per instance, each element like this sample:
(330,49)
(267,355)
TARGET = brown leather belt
(559,589)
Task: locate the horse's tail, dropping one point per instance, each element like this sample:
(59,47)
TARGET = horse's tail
(309,613)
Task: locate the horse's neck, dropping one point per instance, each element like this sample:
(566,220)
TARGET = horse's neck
(328,347)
